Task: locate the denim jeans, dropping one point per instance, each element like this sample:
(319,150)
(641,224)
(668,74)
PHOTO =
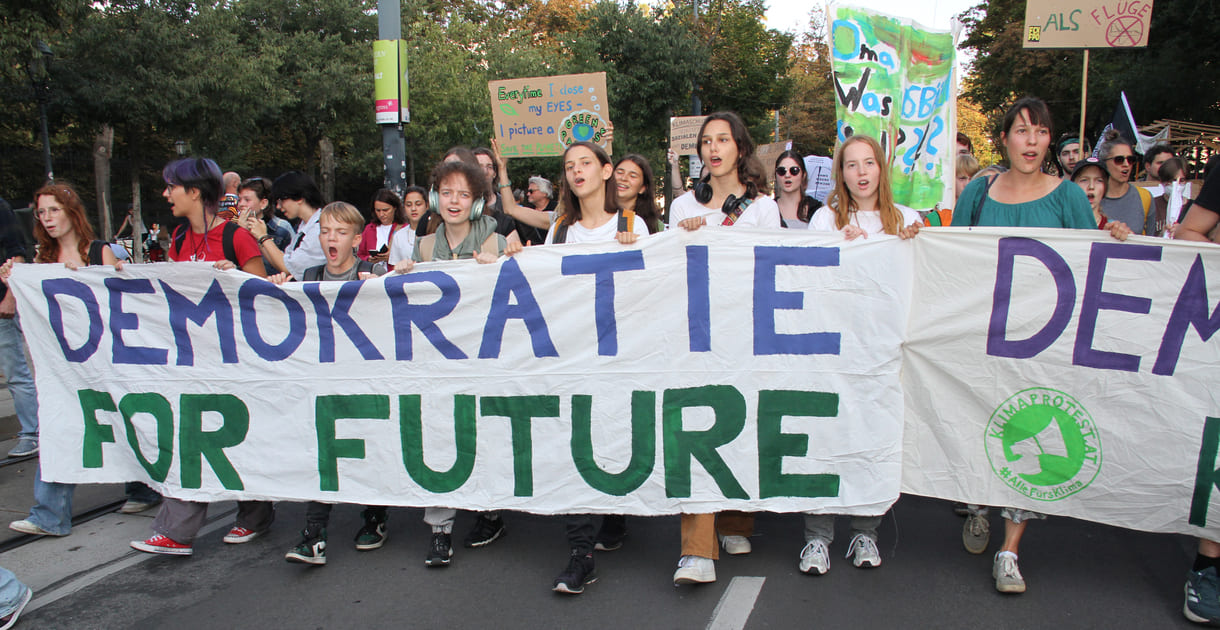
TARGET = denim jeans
(52,509)
(11,591)
(17,374)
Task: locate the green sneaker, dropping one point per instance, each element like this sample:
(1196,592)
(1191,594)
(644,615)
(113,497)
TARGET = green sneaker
(311,549)
(373,534)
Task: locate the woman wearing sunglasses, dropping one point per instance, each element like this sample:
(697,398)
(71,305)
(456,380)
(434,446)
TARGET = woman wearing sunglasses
(1124,202)
(791,181)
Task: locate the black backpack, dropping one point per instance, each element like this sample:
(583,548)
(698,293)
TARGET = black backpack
(95,251)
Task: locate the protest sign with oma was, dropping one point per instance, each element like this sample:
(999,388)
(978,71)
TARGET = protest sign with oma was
(542,116)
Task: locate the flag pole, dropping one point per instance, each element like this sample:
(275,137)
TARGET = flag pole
(1084,96)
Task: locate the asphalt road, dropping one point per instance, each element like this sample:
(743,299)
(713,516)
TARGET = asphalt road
(1080,575)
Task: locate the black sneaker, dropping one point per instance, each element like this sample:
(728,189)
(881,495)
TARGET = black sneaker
(441,551)
(577,575)
(613,531)
(373,534)
(486,531)
(312,548)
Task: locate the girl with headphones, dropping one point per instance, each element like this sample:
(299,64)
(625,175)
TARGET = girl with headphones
(733,189)
(465,232)
(732,192)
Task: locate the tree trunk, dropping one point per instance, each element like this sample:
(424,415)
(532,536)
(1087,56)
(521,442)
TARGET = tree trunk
(326,149)
(137,236)
(103,150)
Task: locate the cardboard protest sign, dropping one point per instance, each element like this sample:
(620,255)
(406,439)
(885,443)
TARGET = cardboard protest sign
(541,116)
(893,81)
(684,134)
(1087,23)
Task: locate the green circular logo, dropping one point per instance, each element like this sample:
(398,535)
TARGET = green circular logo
(1043,444)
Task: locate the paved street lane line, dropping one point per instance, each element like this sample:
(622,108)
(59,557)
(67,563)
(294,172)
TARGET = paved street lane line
(74,583)
(736,604)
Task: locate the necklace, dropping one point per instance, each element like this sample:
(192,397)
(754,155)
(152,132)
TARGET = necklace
(200,244)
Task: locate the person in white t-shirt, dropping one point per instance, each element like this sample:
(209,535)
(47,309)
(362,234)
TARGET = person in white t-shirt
(861,204)
(733,189)
(591,211)
(415,203)
(732,192)
(590,214)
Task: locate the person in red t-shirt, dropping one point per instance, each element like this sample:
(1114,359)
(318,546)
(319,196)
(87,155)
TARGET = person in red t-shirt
(193,188)
(195,195)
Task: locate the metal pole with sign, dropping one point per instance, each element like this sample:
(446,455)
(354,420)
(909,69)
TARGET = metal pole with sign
(390,92)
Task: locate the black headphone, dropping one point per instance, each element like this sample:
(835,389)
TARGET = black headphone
(703,194)
(703,189)
(434,205)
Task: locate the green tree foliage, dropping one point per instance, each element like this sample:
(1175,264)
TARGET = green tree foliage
(749,62)
(256,84)
(809,117)
(1171,78)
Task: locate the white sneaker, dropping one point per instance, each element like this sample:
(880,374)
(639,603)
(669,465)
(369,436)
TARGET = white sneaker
(1007,576)
(863,552)
(815,560)
(735,545)
(695,570)
(26,527)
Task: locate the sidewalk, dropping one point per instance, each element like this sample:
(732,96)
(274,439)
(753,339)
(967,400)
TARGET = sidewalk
(59,566)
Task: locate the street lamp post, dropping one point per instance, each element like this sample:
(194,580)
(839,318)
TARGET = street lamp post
(37,69)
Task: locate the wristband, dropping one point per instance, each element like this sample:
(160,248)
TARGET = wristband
(263,239)
(506,185)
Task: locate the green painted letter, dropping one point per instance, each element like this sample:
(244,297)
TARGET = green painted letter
(195,443)
(774,444)
(328,409)
(643,445)
(410,427)
(681,446)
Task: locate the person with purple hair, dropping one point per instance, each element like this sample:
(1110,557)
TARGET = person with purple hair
(193,188)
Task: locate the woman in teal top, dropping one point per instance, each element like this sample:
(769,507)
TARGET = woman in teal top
(1022,196)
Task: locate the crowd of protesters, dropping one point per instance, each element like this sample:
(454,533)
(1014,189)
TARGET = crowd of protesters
(469,211)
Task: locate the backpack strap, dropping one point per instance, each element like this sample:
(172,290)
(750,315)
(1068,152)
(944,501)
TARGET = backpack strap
(175,246)
(95,252)
(364,266)
(230,233)
(978,208)
(561,233)
(491,245)
(626,221)
(313,274)
(425,245)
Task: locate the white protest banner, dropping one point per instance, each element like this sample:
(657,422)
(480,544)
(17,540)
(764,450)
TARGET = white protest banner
(1053,370)
(541,116)
(695,371)
(1064,372)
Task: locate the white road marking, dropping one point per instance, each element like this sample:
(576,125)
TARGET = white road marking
(736,604)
